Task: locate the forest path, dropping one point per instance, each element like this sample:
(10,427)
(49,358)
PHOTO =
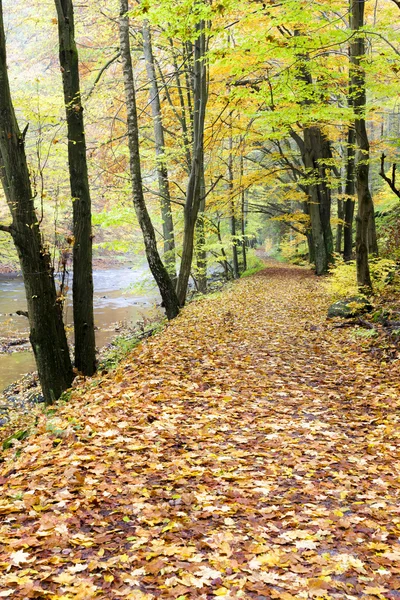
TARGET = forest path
(248,451)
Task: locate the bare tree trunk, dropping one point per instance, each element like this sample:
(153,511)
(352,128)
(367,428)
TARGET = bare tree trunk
(339,230)
(201,254)
(372,236)
(316,154)
(349,192)
(243,216)
(193,192)
(157,268)
(365,204)
(47,334)
(162,171)
(235,261)
(85,345)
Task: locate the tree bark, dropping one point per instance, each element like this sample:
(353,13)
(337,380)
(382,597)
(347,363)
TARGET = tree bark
(372,235)
(243,217)
(193,192)
(349,192)
(85,345)
(358,85)
(235,260)
(339,230)
(47,334)
(201,254)
(156,265)
(315,150)
(316,154)
(162,171)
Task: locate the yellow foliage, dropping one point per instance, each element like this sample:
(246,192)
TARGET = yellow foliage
(342,280)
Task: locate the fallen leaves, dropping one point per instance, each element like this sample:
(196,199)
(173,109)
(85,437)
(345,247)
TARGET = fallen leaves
(259,460)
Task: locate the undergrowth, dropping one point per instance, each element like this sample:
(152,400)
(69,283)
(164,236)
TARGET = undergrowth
(122,345)
(254,265)
(342,279)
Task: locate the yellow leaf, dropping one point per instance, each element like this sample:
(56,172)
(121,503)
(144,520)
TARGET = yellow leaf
(375,591)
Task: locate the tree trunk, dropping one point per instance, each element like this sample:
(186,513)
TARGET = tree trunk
(339,230)
(315,152)
(85,344)
(201,254)
(358,85)
(316,155)
(193,192)
(156,265)
(235,261)
(349,192)
(372,237)
(47,334)
(243,228)
(162,171)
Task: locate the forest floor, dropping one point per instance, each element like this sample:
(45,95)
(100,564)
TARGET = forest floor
(250,450)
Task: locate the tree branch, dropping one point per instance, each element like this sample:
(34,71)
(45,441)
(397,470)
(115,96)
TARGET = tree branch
(100,73)
(6,228)
(390,181)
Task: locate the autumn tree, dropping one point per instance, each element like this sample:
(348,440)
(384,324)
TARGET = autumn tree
(85,345)
(47,334)
(156,265)
(365,204)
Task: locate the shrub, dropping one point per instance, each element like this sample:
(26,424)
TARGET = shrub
(342,280)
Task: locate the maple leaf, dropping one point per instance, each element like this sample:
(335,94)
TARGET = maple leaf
(19,557)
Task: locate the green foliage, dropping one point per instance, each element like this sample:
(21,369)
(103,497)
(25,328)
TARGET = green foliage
(17,436)
(122,345)
(254,264)
(342,280)
(119,349)
(365,333)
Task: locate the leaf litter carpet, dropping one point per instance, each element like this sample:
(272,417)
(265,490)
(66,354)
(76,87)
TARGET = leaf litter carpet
(248,451)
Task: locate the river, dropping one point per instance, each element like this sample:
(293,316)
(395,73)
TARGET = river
(121,298)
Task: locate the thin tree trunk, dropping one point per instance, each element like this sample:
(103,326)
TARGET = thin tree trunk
(372,236)
(162,171)
(235,261)
(193,192)
(225,262)
(85,344)
(156,265)
(349,192)
(339,230)
(365,205)
(243,217)
(47,334)
(201,254)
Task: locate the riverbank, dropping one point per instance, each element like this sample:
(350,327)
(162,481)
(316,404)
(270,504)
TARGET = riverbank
(21,401)
(101,262)
(122,297)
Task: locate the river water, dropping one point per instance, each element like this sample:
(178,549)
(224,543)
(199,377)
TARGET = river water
(121,298)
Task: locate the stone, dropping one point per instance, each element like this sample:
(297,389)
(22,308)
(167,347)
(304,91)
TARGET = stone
(350,307)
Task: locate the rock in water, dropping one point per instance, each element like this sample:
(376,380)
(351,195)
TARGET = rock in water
(350,307)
